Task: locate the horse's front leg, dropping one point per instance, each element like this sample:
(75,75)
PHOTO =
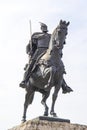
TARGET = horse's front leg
(25,107)
(54,97)
(44,98)
(28,100)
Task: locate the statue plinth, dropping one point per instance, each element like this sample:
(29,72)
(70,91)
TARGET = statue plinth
(48,123)
(53,119)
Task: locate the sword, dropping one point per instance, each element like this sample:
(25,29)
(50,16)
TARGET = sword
(30,35)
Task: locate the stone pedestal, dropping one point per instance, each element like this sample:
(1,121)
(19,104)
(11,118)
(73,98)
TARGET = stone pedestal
(42,123)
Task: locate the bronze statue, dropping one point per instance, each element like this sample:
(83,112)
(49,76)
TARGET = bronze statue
(47,70)
(35,49)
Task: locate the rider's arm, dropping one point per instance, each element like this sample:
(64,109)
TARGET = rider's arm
(28,48)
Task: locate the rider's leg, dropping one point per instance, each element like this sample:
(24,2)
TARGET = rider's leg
(30,67)
(27,74)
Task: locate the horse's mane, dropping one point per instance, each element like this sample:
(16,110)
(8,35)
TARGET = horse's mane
(52,38)
(47,54)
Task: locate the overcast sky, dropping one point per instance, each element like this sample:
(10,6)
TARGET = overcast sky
(14,36)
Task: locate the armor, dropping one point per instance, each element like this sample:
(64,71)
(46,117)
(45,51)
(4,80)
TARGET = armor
(43,41)
(39,40)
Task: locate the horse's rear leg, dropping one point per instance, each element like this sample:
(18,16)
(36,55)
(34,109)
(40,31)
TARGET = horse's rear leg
(45,96)
(28,100)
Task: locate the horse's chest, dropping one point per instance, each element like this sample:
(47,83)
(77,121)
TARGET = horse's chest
(56,62)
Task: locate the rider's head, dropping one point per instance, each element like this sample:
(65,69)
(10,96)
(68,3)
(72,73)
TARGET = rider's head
(43,27)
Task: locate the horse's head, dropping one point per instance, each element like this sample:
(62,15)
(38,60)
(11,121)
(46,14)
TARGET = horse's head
(57,40)
(61,32)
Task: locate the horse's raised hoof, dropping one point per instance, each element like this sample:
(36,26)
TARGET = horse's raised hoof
(53,114)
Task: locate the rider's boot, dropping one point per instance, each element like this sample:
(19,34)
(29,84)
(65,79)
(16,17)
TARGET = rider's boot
(23,83)
(66,88)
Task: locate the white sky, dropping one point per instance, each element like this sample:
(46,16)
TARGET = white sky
(14,36)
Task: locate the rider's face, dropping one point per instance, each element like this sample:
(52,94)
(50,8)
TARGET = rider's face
(44,29)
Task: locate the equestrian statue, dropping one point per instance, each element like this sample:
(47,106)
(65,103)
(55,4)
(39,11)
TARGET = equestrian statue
(45,68)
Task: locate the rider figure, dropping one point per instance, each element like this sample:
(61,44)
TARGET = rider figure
(36,48)
(40,42)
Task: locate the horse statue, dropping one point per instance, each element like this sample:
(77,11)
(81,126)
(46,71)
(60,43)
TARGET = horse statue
(48,72)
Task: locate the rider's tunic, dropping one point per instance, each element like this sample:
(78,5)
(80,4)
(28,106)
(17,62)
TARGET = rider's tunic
(43,40)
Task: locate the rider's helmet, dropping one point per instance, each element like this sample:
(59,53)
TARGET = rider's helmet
(43,27)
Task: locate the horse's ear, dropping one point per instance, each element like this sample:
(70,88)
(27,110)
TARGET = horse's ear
(67,23)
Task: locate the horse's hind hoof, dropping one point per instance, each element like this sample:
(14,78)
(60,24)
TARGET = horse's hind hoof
(53,114)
